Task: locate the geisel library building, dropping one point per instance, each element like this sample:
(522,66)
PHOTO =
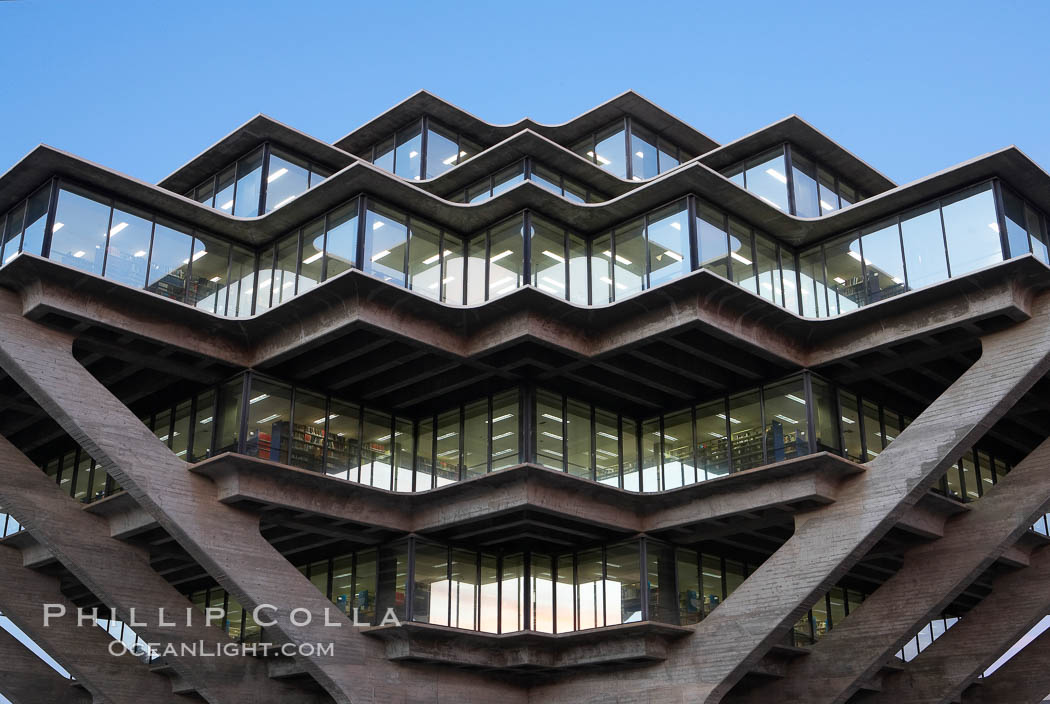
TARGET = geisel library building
(599,412)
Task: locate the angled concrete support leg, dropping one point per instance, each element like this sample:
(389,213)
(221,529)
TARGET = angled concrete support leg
(930,578)
(1018,600)
(1023,679)
(120,575)
(829,540)
(82,649)
(225,540)
(26,679)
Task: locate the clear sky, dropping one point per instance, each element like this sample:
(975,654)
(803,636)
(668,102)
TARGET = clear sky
(911,87)
(141,87)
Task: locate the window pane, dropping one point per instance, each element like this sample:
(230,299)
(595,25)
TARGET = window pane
(924,246)
(376,453)
(546,178)
(430,599)
(475,292)
(442,151)
(406,158)
(265,280)
(742,255)
(480,191)
(343,584)
(564,591)
(785,407)
(475,439)
(78,237)
(788,274)
(660,576)
(464,589)
(829,198)
(548,257)
(845,280)
(284,272)
(578,284)
(242,281)
(425,455)
(542,594)
(1016,227)
(205,193)
(386,233)
(249,183)
(424,259)
(770,286)
(1035,229)
(452,281)
(826,427)
(448,448)
(308,431)
(851,427)
(505,430)
(678,450)
(872,430)
(713,253)
(384,155)
(169,260)
(590,589)
(512,594)
(311,256)
(506,179)
(847,196)
(224,185)
(971,229)
(365,585)
(287,178)
(668,156)
(229,424)
(269,405)
(811,278)
(607,448)
(36,220)
(488,601)
(745,427)
(652,479)
(643,153)
(766,179)
(623,588)
(203,425)
(392,580)
(630,258)
(610,153)
(344,441)
(804,178)
(341,246)
(550,431)
(712,452)
(211,261)
(969,472)
(128,254)
(601,271)
(882,258)
(690,604)
(578,427)
(631,460)
(181,431)
(668,235)
(505,257)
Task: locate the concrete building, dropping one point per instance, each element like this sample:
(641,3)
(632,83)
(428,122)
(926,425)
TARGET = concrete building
(593,412)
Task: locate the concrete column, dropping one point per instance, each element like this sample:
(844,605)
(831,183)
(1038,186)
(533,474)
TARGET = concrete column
(829,540)
(225,540)
(1019,599)
(26,679)
(82,649)
(1023,679)
(932,576)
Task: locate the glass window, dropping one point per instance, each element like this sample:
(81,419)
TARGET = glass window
(407,154)
(971,230)
(643,153)
(712,444)
(203,425)
(811,278)
(824,410)
(467,149)
(425,455)
(578,438)
(872,430)
(969,472)
(690,603)
(745,428)
(208,271)
(36,220)
(1035,229)
(424,259)
(590,589)
(376,453)
(180,435)
(851,435)
(668,156)
(242,281)
(448,448)
(1016,227)
(610,151)
(82,484)
(366,585)
(452,282)
(550,431)
(442,150)
(790,278)
(845,277)
(229,425)
(829,197)
(505,257)
(225,183)
(311,257)
(512,594)
(542,594)
(505,446)
(953,481)
(607,448)
(631,460)
(629,261)
(430,601)
(384,155)
(545,177)
(578,284)
(265,280)
(475,439)
(713,252)
(847,195)
(479,192)
(78,237)
(742,255)
(766,179)
(711,578)
(128,249)
(205,193)
(392,580)
(341,244)
(623,588)
(488,599)
(770,286)
(564,592)
(821,623)
(924,246)
(308,431)
(386,234)
(668,235)
(734,576)
(343,583)
(463,587)
(882,261)
(269,408)
(601,271)
(169,260)
(285,271)
(506,179)
(344,441)
(652,479)
(249,185)
(679,468)
(548,257)
(785,408)
(162,426)
(286,179)
(804,179)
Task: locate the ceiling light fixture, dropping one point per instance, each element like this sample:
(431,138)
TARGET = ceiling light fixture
(57,226)
(554,256)
(379,255)
(501,255)
(116,229)
(786,419)
(276,175)
(742,259)
(777,175)
(313,258)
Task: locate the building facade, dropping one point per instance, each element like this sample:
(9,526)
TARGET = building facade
(448,411)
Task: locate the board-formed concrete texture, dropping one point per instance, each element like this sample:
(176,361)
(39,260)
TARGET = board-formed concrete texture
(594,412)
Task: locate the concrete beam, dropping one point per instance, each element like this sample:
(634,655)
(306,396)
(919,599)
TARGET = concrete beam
(82,649)
(1023,679)
(26,679)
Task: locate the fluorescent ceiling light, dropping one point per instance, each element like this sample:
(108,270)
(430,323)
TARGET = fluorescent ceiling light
(506,289)
(287,200)
(605,280)
(775,205)
(731,419)
(227,205)
(717,435)
(140,253)
(676,225)
(898,280)
(777,175)
(115,229)
(668,437)
(673,255)
(260,397)
(215,279)
(994,227)
(377,224)
(602,160)
(607,435)
(554,256)
(276,175)
(556,419)
(552,435)
(547,288)
(413,154)
(502,435)
(207,420)
(796,399)
(386,437)
(786,419)
(505,416)
(766,284)
(553,282)
(267,419)
(623,260)
(501,255)
(447,452)
(855,255)
(380,255)
(431,260)
(839,280)
(313,258)
(446,436)
(825,206)
(847,420)
(607,453)
(742,259)
(57,226)
(79,253)
(199,254)
(640,155)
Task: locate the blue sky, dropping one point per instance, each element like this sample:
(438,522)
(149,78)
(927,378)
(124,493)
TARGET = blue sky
(142,87)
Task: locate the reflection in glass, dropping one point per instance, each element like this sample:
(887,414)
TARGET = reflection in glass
(169,260)
(341,243)
(78,237)
(36,220)
(971,230)
(845,278)
(128,249)
(668,236)
(407,161)
(882,260)
(386,235)
(249,185)
(286,179)
(766,178)
(506,258)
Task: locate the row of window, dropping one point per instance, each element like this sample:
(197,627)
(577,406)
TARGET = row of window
(259,182)
(422,150)
(793,183)
(630,150)
(8,524)
(522,170)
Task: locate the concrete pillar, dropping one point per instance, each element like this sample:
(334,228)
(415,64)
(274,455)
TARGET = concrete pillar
(1023,679)
(26,679)
(225,540)
(932,576)
(82,649)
